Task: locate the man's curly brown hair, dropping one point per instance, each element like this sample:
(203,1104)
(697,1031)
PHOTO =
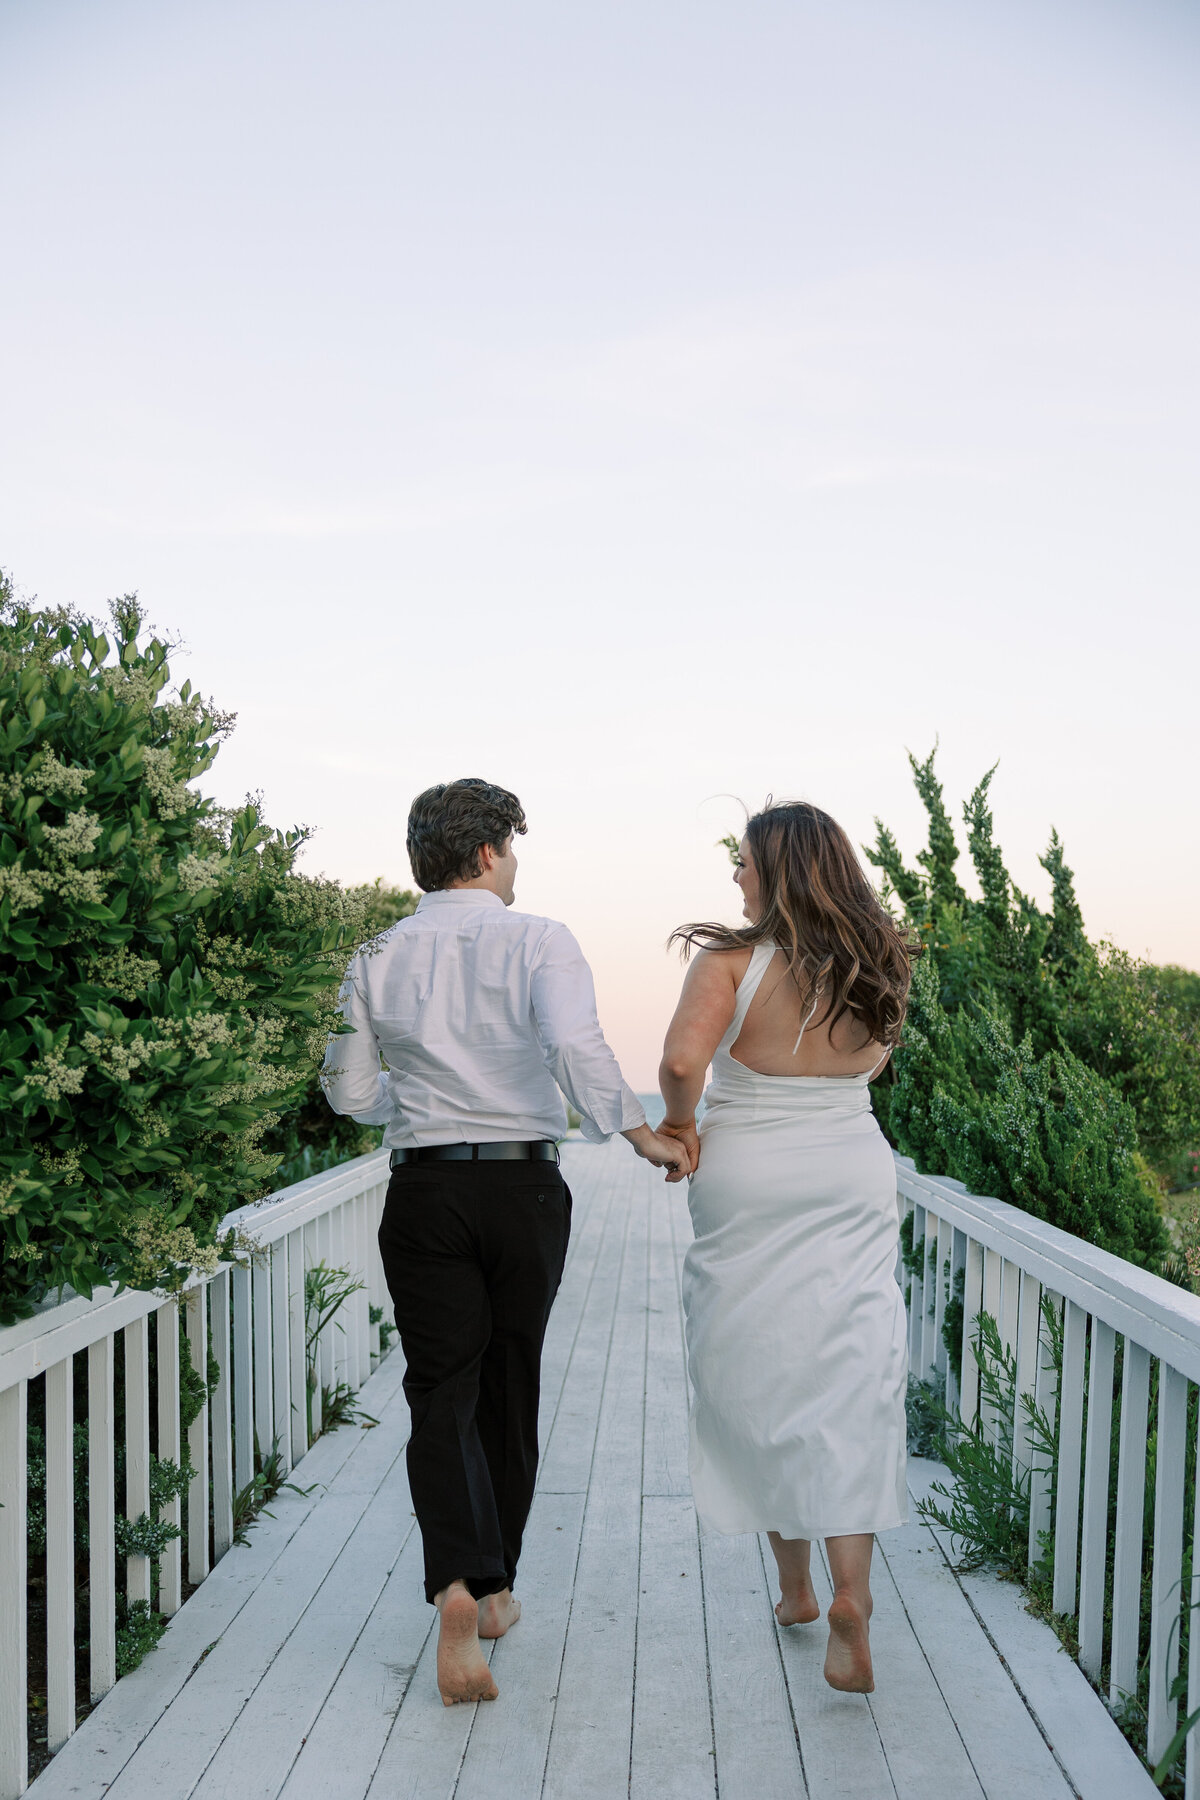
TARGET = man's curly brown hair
(449,824)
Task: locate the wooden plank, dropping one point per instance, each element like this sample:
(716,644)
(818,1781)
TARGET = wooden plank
(673,1755)
(243,1381)
(506,1753)
(1093,1558)
(1097,1761)
(137,1448)
(589,1747)
(1007,1751)
(754,1733)
(14,1743)
(196,1315)
(281,1362)
(993,1275)
(665,1462)
(102,1556)
(1070,1453)
(922,1744)
(1167,1567)
(60,1553)
(1131,1500)
(173,1756)
(168,1448)
(109,1738)
(842,1756)
(1028,1324)
(567,1459)
(255,1755)
(340,1753)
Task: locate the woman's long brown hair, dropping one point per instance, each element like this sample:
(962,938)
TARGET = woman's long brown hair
(821,910)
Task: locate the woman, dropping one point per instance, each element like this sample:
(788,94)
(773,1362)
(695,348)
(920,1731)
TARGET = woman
(795,1320)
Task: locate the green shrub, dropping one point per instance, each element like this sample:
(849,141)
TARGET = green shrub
(167,977)
(1037,1067)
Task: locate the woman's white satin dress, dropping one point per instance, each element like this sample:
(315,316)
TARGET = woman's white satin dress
(797,1347)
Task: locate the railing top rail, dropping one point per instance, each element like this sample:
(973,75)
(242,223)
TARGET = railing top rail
(59,1328)
(1162,1318)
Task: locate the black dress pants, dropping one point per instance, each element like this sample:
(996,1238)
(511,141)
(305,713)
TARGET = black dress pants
(473,1253)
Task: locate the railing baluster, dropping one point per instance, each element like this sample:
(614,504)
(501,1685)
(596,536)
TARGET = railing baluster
(281,1399)
(60,1553)
(1094,1553)
(1070,1449)
(958,1261)
(945,1244)
(1046,1400)
(972,1306)
(326,1376)
(1028,1320)
(243,1381)
(916,1295)
(170,1568)
(313,1252)
(102,1555)
(14,1738)
(137,1448)
(993,1275)
(929,1290)
(1131,1501)
(1165,1599)
(221,1419)
(264,1410)
(197,1437)
(295,1325)
(1191,1789)
(362,1300)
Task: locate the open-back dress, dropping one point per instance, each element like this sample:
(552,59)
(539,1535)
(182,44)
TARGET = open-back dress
(796,1334)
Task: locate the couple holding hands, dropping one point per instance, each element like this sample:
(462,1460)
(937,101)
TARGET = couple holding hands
(464,1022)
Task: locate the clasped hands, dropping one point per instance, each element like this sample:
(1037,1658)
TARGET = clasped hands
(673,1146)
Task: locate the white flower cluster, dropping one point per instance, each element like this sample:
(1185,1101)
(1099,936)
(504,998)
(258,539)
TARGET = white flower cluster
(49,776)
(78,837)
(160,1251)
(54,1079)
(198,872)
(170,795)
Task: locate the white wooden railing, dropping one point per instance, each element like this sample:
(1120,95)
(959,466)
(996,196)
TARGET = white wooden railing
(253,1319)
(1009,1260)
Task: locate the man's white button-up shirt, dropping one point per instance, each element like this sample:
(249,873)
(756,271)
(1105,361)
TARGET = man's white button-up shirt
(477,1012)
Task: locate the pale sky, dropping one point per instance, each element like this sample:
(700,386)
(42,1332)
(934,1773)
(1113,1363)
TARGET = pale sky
(648,407)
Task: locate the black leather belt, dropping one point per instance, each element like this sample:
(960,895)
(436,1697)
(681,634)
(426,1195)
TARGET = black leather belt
(540,1150)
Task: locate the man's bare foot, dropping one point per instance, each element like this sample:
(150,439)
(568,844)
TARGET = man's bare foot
(462,1671)
(497,1612)
(799,1606)
(848,1658)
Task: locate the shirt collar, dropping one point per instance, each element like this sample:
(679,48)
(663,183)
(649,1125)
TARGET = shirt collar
(459,897)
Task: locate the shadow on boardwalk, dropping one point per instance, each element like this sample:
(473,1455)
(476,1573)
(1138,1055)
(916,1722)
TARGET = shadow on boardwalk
(647,1662)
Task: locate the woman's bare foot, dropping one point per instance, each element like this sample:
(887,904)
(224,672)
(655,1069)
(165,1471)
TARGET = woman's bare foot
(462,1671)
(848,1658)
(798,1605)
(497,1612)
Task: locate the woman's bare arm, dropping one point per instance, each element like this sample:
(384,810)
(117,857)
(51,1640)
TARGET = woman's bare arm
(701,1021)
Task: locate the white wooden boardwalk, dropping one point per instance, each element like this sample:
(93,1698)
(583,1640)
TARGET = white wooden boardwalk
(647,1662)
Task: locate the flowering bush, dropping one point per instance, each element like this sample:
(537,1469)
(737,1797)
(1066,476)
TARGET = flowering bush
(167,977)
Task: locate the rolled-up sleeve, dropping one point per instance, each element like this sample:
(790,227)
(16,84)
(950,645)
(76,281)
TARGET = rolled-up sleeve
(564,1008)
(351,1075)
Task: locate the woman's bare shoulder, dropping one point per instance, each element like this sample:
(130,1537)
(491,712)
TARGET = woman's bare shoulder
(717,966)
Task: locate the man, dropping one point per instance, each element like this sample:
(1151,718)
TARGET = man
(477,1012)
